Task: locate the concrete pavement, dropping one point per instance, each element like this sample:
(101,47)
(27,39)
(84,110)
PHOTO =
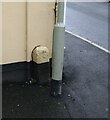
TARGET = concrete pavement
(85,88)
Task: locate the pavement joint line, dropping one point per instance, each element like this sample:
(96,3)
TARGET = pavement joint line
(88,41)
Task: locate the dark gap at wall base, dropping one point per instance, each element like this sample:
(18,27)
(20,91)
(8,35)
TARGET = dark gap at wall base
(22,72)
(40,72)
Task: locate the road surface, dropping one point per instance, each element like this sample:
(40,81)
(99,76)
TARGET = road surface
(89,20)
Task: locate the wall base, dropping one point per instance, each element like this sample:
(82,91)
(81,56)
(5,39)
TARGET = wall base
(40,72)
(25,72)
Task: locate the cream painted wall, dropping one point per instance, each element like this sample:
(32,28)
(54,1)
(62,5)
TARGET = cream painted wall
(25,25)
(13,32)
(40,25)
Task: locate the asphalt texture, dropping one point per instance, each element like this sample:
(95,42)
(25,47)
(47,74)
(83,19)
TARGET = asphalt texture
(89,20)
(84,88)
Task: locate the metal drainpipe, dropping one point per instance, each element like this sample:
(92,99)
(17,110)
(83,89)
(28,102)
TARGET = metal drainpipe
(58,51)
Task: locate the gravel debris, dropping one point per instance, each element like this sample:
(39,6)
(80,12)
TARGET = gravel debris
(59,103)
(30,82)
(17,105)
(106,109)
(64,107)
(46,101)
(69,95)
(63,83)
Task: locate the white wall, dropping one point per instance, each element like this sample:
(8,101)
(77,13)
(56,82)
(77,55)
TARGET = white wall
(13,32)
(40,25)
(24,26)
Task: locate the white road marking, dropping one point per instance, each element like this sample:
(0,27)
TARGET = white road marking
(89,41)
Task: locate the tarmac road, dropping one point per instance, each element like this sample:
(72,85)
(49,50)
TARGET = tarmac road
(89,20)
